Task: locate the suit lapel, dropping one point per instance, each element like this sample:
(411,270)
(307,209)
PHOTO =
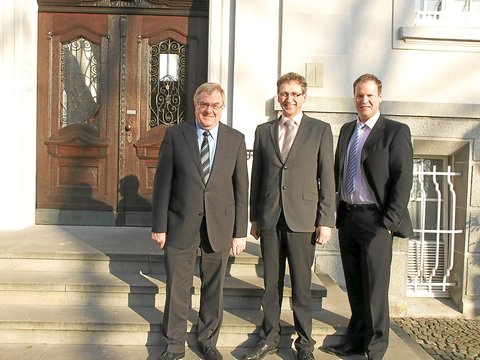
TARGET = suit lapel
(222,142)
(274,125)
(376,134)
(191,140)
(350,127)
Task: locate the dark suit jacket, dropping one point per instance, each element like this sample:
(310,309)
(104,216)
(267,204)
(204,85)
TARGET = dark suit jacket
(387,161)
(180,199)
(303,186)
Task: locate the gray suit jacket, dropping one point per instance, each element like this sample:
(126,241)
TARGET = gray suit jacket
(387,161)
(180,199)
(303,186)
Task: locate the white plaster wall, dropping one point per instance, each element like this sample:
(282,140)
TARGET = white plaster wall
(256,64)
(316,32)
(349,38)
(18,44)
(357,36)
(220,49)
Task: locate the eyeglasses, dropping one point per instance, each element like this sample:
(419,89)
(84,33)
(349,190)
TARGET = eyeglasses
(205,106)
(294,95)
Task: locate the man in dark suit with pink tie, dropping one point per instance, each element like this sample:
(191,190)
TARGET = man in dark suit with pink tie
(292,201)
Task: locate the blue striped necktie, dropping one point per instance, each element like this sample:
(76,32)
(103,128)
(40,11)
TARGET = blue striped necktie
(205,157)
(352,160)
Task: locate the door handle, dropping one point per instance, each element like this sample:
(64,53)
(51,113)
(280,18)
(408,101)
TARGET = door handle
(128,127)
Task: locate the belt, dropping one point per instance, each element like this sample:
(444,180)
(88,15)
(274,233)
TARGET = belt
(359,207)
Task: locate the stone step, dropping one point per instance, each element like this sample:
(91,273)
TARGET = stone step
(82,271)
(106,286)
(138,352)
(248,263)
(100,249)
(102,325)
(105,289)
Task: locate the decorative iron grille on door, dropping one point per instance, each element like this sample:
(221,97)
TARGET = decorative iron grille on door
(167,83)
(80,60)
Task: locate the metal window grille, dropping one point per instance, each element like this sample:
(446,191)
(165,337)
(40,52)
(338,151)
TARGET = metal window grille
(431,250)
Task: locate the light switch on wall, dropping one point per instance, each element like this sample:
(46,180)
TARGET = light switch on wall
(314,74)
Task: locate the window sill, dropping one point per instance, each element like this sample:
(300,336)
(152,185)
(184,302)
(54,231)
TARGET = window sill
(438,38)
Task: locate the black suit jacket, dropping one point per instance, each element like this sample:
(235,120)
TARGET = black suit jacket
(303,186)
(387,161)
(181,200)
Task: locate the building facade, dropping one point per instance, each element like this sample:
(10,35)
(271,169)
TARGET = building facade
(426,52)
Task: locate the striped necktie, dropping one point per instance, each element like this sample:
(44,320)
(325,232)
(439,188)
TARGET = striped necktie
(352,160)
(205,157)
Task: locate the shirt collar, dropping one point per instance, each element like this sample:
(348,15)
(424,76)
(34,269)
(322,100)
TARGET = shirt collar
(372,121)
(213,132)
(296,119)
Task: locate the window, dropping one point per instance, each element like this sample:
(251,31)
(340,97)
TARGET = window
(80,79)
(447,13)
(451,25)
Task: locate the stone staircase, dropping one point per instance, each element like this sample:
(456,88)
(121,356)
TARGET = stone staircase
(106,286)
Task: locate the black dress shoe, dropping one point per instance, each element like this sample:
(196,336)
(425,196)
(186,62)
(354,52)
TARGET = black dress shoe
(305,354)
(259,351)
(211,353)
(167,355)
(344,349)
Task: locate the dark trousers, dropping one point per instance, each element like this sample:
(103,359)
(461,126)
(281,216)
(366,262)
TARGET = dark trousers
(299,248)
(179,267)
(366,251)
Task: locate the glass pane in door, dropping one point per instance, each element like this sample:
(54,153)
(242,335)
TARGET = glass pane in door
(80,78)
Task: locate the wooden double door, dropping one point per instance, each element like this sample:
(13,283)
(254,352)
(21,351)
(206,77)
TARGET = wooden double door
(108,87)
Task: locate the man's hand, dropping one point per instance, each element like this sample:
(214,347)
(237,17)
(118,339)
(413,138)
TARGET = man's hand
(160,239)
(254,231)
(323,234)
(238,245)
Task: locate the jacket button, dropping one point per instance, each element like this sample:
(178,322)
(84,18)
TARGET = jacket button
(285,167)
(284,187)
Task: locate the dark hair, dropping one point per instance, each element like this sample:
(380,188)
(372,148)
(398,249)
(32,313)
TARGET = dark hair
(368,77)
(291,76)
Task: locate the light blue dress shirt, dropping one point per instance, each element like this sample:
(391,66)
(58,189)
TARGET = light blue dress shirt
(362,193)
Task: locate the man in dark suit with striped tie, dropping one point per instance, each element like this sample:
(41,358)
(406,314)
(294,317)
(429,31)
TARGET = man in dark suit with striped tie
(199,201)
(373,176)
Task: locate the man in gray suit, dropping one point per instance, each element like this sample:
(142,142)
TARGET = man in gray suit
(199,201)
(291,209)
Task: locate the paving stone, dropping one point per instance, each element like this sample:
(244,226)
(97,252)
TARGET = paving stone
(444,338)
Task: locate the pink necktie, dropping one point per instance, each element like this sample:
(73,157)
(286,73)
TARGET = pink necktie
(287,139)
